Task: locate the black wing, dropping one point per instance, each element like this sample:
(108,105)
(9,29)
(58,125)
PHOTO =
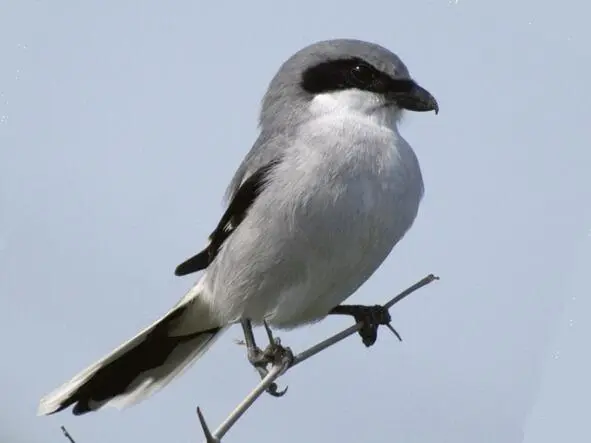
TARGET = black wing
(237,210)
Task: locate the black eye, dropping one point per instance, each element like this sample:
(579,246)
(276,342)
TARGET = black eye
(362,74)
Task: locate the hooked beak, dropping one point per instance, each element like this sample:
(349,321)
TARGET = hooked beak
(407,94)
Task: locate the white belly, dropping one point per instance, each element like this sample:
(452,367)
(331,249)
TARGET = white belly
(361,221)
(322,227)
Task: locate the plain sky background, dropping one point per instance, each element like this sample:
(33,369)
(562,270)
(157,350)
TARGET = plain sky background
(120,126)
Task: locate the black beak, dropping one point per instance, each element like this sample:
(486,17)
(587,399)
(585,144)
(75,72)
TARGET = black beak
(407,94)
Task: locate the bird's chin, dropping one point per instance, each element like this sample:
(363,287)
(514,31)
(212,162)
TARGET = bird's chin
(393,108)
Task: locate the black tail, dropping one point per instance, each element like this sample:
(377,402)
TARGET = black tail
(115,377)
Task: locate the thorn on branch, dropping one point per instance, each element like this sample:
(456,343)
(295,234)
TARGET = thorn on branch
(67,434)
(209,438)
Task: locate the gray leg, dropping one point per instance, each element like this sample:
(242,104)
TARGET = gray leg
(255,355)
(273,354)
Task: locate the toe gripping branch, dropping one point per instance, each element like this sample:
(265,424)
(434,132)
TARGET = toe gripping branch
(370,318)
(279,359)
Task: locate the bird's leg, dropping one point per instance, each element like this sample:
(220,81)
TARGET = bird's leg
(371,317)
(253,352)
(274,354)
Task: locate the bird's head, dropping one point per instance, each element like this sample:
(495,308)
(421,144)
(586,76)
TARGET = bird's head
(343,74)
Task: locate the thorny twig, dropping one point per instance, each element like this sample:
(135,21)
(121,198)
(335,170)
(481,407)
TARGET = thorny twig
(279,369)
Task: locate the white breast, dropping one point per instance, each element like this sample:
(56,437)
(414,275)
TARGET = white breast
(363,186)
(354,131)
(346,191)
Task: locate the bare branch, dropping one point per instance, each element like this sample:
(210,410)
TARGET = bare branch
(281,367)
(310,352)
(274,373)
(418,285)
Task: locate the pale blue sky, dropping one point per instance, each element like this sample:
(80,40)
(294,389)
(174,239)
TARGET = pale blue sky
(120,125)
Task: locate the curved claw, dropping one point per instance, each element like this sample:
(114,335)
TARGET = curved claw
(274,391)
(284,358)
(394,331)
(274,354)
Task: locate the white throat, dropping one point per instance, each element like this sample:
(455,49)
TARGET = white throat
(355,102)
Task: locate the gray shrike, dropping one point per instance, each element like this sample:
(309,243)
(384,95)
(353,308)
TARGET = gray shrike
(327,190)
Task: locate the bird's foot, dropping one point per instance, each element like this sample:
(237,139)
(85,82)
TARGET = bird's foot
(273,355)
(372,318)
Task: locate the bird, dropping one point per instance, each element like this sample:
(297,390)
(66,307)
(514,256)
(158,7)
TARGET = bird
(326,191)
